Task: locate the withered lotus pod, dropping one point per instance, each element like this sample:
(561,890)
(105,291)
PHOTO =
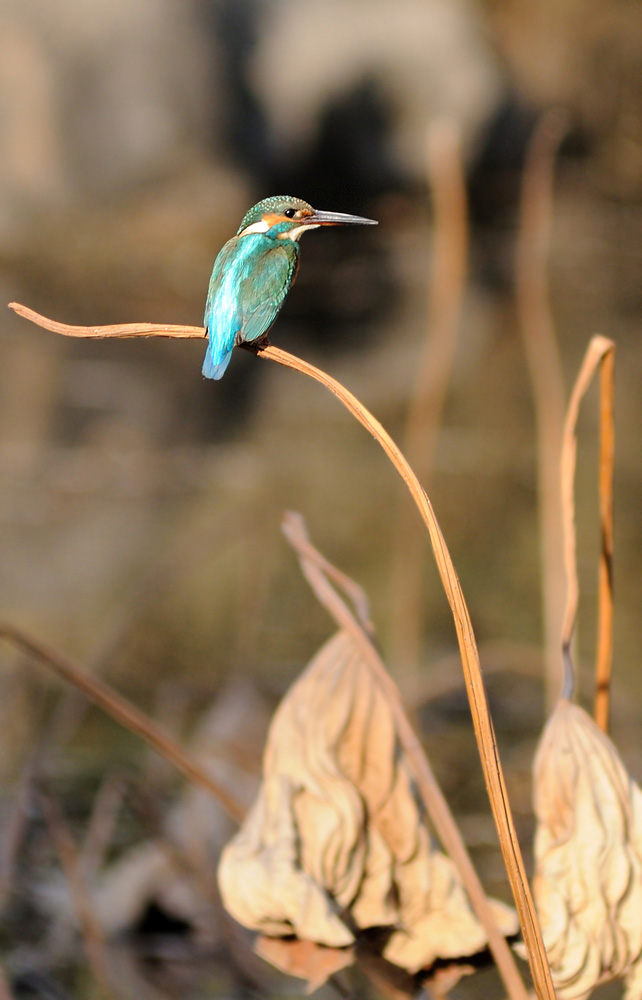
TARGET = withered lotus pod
(588,854)
(337,840)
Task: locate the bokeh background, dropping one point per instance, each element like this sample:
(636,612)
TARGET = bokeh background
(140,505)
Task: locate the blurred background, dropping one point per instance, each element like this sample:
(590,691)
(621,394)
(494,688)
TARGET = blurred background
(140,505)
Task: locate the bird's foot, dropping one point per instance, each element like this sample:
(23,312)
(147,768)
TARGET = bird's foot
(255,345)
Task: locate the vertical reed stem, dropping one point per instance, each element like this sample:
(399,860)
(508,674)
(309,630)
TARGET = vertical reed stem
(600,352)
(605,598)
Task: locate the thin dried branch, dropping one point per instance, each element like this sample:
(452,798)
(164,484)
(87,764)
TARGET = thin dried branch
(126,715)
(315,567)
(447,284)
(605,591)
(122,330)
(482,722)
(600,352)
(92,934)
(542,355)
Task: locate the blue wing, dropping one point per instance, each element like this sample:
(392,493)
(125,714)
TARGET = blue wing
(221,313)
(249,282)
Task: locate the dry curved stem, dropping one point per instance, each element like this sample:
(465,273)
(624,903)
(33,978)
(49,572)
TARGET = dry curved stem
(127,715)
(605,583)
(542,355)
(600,352)
(122,330)
(315,567)
(428,396)
(482,722)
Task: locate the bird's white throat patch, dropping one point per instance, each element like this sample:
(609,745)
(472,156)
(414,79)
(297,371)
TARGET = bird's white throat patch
(261,226)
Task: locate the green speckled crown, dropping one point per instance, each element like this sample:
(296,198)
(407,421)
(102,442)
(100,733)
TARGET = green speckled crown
(278,203)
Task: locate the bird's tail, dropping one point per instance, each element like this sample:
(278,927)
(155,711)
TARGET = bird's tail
(214,366)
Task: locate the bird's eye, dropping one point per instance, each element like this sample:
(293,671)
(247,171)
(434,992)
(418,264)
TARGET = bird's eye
(290,213)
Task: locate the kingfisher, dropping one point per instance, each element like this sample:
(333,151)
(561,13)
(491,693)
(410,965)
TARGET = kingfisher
(254,272)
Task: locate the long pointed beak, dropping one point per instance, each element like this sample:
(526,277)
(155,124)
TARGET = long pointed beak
(336,219)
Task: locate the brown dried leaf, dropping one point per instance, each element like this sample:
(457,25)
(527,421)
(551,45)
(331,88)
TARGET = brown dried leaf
(304,959)
(336,841)
(588,851)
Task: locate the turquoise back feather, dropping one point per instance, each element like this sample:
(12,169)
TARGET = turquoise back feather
(250,279)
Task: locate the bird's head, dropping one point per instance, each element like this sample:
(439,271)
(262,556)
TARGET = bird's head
(282,217)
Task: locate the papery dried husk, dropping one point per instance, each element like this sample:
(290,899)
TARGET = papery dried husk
(337,840)
(305,959)
(588,854)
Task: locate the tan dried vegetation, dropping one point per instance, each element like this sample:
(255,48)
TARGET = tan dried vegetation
(337,860)
(588,843)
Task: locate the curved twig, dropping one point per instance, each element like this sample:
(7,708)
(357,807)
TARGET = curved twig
(482,722)
(122,330)
(600,352)
(318,571)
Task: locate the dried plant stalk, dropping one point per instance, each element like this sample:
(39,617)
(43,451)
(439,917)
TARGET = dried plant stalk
(588,878)
(588,852)
(484,732)
(126,715)
(605,599)
(315,567)
(600,352)
(434,368)
(120,330)
(542,355)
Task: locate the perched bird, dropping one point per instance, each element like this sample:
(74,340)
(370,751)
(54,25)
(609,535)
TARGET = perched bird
(254,271)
